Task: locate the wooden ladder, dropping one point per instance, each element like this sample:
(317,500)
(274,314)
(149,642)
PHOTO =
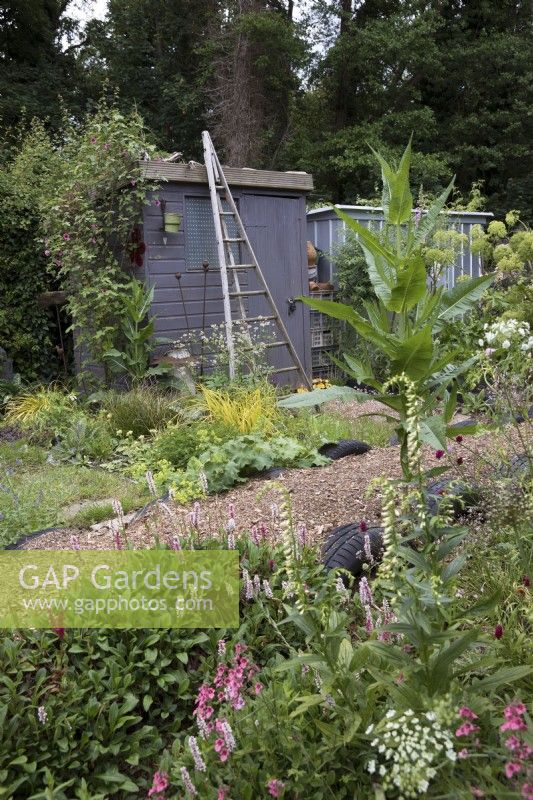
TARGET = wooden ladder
(230,270)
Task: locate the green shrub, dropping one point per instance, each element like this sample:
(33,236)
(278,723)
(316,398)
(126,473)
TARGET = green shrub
(177,443)
(140,410)
(233,461)
(84,439)
(98,706)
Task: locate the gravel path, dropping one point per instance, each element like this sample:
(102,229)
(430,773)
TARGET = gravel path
(322,498)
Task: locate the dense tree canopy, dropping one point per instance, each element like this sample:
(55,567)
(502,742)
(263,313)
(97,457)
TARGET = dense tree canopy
(282,88)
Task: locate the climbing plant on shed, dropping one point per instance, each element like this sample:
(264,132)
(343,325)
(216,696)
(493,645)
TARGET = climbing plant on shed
(88,224)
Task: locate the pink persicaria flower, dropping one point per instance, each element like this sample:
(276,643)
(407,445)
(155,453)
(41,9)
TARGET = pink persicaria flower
(467,713)
(439,453)
(466,729)
(514,709)
(222,792)
(498,631)
(513,724)
(159,784)
(258,688)
(66,237)
(527,791)
(220,744)
(511,769)
(513,743)
(275,788)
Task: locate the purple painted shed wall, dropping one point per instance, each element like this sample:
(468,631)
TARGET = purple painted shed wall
(275,221)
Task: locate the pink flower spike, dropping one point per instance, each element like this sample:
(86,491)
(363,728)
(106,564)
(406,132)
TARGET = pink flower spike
(512,743)
(466,729)
(275,788)
(258,688)
(511,768)
(467,713)
(527,791)
(223,755)
(219,744)
(513,724)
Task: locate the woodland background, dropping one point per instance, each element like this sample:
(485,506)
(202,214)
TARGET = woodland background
(287,86)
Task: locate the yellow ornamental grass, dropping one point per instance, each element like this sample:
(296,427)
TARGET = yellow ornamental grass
(39,408)
(245,410)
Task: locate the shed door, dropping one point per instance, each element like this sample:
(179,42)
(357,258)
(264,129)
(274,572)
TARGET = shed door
(275,227)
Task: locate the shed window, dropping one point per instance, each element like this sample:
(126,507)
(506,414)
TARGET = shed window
(200,240)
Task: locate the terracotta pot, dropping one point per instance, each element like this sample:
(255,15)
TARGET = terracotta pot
(311,254)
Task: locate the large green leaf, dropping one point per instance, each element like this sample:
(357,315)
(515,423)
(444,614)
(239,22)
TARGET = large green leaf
(369,240)
(346,313)
(410,286)
(429,220)
(358,369)
(433,432)
(397,197)
(414,355)
(378,315)
(461,298)
(503,677)
(319,396)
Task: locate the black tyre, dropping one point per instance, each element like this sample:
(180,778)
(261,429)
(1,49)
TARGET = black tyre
(344,547)
(346,447)
(518,468)
(273,472)
(463,495)
(458,426)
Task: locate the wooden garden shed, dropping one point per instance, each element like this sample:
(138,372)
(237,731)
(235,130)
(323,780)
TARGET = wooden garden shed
(272,208)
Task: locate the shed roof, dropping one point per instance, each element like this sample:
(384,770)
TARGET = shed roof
(379,210)
(242,176)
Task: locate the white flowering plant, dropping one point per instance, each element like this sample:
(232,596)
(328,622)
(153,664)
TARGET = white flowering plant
(409,749)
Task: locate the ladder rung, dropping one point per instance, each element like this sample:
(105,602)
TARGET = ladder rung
(285,369)
(249,293)
(227,213)
(277,344)
(258,319)
(240,266)
(240,239)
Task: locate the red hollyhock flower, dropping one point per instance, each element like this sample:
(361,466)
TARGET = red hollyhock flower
(498,631)
(459,460)
(458,439)
(363,527)
(526,581)
(439,453)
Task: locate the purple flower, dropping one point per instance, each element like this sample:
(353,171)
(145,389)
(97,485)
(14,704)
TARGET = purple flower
(439,453)
(498,631)
(363,527)
(93,139)
(107,146)
(66,237)
(157,202)
(47,253)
